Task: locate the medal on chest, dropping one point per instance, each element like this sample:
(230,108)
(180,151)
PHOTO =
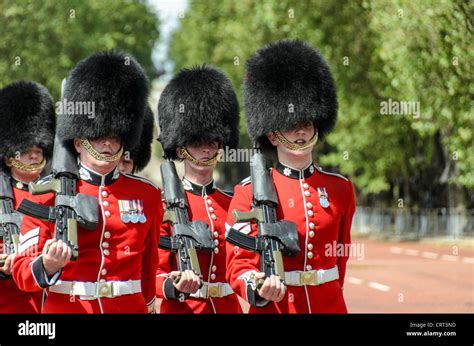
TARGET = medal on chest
(323,197)
(132,211)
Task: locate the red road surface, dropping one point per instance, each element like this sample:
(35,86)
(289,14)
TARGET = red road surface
(410,277)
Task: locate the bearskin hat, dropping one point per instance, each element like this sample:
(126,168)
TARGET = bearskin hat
(141,154)
(115,87)
(198,104)
(26,118)
(287,83)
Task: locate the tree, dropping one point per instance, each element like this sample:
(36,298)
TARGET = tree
(43,40)
(378,51)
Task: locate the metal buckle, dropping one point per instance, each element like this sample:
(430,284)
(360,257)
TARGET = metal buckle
(106,290)
(214,291)
(308,278)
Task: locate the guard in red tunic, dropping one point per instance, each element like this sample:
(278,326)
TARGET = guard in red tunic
(116,266)
(290,100)
(27,124)
(198,115)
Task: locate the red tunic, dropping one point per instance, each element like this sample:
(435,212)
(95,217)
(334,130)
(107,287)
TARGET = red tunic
(210,205)
(320,229)
(114,251)
(12,299)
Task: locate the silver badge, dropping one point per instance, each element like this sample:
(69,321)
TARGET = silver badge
(323,197)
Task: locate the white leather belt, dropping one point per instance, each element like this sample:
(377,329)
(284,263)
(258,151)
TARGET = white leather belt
(311,277)
(94,290)
(213,290)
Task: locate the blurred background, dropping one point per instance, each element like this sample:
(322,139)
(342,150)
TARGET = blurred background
(405,129)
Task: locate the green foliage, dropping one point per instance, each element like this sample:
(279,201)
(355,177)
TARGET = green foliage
(379,50)
(43,40)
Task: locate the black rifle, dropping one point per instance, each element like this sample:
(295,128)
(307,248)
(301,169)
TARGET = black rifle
(10,220)
(187,237)
(70,208)
(275,238)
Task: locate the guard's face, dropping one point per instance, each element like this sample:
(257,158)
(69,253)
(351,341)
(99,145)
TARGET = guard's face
(125,166)
(202,151)
(106,146)
(32,155)
(301,134)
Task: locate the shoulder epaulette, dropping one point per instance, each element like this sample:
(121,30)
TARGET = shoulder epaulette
(145,180)
(227,193)
(329,173)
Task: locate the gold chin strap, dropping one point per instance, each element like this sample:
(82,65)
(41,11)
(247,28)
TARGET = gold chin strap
(98,156)
(27,168)
(295,146)
(197,162)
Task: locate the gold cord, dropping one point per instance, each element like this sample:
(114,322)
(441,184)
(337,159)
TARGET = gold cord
(197,162)
(295,146)
(98,156)
(27,168)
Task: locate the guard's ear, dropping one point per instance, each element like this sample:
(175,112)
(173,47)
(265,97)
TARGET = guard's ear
(271,138)
(178,153)
(77,145)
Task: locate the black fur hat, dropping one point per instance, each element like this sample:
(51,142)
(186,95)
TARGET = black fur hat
(288,82)
(116,85)
(141,154)
(198,104)
(26,118)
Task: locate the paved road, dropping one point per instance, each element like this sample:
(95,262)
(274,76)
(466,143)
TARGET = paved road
(410,277)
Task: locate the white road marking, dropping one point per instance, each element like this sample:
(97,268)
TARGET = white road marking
(355,281)
(449,258)
(468,260)
(378,286)
(397,250)
(411,252)
(427,254)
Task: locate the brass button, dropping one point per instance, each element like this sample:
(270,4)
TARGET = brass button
(107,235)
(211,209)
(309,205)
(213,276)
(103,271)
(216,234)
(305,186)
(311,225)
(310,255)
(105,194)
(216,250)
(105,245)
(310,246)
(309,267)
(311,234)
(106,252)
(310,213)
(209,202)
(213,216)
(105,203)
(216,242)
(214,268)
(107,213)
(307,194)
